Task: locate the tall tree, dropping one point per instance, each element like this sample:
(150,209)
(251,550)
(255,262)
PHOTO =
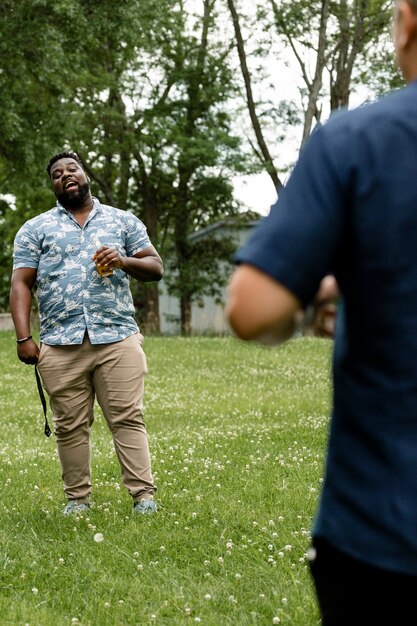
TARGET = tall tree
(264,150)
(145,107)
(287,24)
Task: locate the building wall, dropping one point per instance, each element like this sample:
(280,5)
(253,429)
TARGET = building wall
(209,318)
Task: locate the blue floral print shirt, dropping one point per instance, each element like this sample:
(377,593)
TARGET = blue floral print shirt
(72,297)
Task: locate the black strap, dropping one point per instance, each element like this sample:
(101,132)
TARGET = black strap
(47,430)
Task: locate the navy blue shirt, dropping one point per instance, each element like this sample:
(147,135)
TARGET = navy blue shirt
(350,208)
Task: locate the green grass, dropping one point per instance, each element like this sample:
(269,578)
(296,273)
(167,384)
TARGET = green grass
(237,435)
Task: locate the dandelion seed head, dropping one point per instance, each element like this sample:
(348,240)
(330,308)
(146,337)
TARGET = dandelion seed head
(98,537)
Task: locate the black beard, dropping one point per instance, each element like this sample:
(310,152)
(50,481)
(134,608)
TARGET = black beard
(72,200)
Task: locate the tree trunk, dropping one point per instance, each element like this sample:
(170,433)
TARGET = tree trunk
(268,161)
(186,322)
(315,86)
(150,291)
(350,45)
(151,324)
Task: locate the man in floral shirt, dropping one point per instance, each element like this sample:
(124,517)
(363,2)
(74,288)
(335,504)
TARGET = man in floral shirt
(79,258)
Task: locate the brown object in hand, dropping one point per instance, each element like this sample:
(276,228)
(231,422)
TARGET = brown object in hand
(102,271)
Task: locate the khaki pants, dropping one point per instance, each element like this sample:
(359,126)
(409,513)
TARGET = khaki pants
(114,373)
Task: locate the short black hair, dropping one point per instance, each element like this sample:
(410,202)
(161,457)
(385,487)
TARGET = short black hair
(63,155)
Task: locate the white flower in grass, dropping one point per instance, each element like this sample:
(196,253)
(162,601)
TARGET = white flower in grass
(75,620)
(207,596)
(98,537)
(35,591)
(187,610)
(238,576)
(197,619)
(276,620)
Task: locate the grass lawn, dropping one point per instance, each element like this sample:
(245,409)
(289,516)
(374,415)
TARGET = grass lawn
(237,435)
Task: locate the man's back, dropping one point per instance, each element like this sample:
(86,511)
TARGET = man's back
(350,208)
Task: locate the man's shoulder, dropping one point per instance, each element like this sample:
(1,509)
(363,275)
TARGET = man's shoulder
(48,217)
(370,115)
(122,215)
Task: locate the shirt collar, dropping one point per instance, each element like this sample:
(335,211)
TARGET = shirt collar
(96,208)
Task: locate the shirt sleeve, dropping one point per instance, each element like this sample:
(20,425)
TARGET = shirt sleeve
(137,238)
(298,242)
(26,249)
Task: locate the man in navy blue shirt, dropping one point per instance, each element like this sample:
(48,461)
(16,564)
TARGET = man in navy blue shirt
(350,209)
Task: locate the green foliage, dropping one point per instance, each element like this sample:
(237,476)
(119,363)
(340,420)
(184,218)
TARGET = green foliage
(141,96)
(238,477)
(149,95)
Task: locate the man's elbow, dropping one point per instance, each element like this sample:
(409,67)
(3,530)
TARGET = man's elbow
(241,324)
(157,270)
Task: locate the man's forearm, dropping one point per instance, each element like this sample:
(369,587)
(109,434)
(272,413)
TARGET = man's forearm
(20,308)
(146,269)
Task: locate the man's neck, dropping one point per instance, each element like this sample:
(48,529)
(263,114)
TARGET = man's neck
(82,211)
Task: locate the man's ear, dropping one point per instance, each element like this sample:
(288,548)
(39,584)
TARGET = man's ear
(406,24)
